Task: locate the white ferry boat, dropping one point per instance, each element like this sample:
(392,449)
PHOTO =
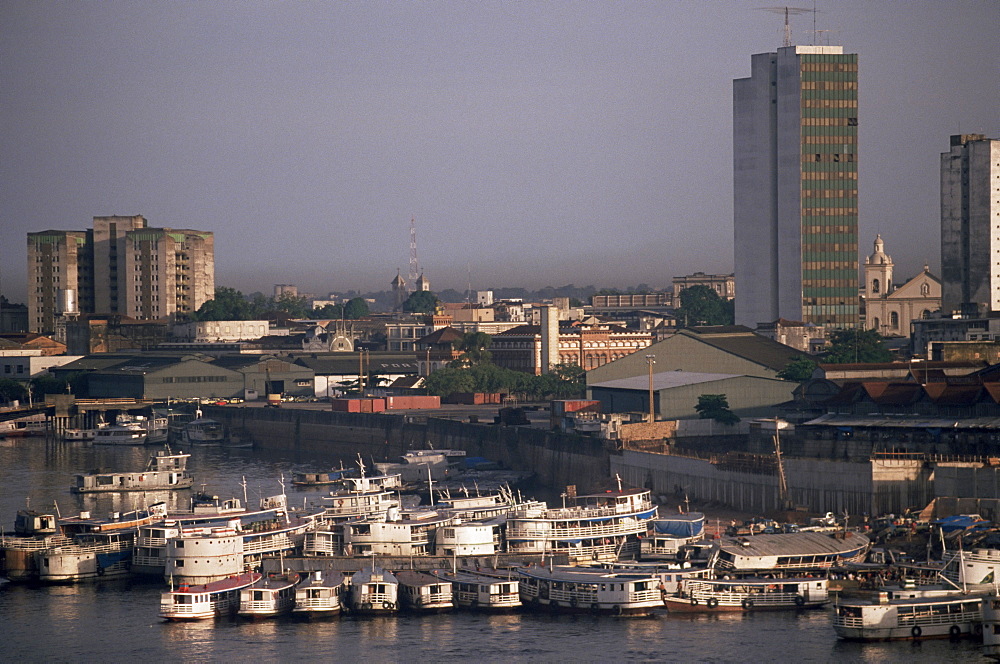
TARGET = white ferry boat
(205,512)
(580,590)
(320,594)
(421,591)
(670,575)
(132,430)
(269,596)
(597,527)
(208,552)
(402,533)
(473,590)
(207,601)
(201,431)
(339,507)
(90,557)
(468,538)
(374,590)
(163,472)
(910,614)
(748,594)
(667,537)
(977,569)
(79,434)
(789,552)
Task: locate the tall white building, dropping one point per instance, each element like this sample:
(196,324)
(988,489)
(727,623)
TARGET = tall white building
(970,225)
(795,177)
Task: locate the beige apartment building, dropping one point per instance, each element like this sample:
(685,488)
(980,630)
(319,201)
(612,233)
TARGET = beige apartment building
(121,266)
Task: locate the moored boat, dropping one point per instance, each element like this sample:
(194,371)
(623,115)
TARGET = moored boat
(374,590)
(472,590)
(164,471)
(269,596)
(580,590)
(596,527)
(79,434)
(749,594)
(910,614)
(421,591)
(320,594)
(202,431)
(202,602)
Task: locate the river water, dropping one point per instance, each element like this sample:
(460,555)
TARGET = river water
(116,621)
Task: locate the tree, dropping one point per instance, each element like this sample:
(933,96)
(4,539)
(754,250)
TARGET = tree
(799,369)
(46,384)
(228,304)
(856,346)
(11,390)
(292,305)
(701,305)
(421,302)
(331,311)
(356,308)
(473,347)
(716,407)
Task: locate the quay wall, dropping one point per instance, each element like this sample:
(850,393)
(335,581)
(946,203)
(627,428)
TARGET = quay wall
(817,485)
(557,458)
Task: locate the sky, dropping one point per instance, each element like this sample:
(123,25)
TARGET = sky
(534,143)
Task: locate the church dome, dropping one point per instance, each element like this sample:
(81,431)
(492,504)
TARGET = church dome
(879,257)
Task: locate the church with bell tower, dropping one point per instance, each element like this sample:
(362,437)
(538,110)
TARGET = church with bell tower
(888,308)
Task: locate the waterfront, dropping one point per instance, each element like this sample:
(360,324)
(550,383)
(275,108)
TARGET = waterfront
(117,621)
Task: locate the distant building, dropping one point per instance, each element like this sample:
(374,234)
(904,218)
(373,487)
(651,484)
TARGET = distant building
(889,310)
(400,292)
(588,344)
(805,337)
(283,290)
(723,284)
(795,173)
(970,229)
(221,330)
(120,267)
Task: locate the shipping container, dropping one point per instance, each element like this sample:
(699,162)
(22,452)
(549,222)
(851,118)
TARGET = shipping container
(561,407)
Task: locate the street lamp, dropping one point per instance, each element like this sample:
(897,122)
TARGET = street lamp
(651,360)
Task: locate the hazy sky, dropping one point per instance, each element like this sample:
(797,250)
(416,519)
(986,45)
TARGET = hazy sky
(535,143)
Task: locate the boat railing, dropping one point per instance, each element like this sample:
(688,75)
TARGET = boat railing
(932,615)
(151,541)
(331,600)
(434,598)
(34,544)
(519,530)
(573,513)
(373,598)
(274,542)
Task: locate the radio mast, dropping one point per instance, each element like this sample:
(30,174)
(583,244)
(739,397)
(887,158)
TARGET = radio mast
(414,267)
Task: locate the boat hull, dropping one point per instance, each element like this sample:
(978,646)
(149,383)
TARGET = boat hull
(685,605)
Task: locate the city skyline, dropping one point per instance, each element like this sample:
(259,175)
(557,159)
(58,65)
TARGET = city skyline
(536,144)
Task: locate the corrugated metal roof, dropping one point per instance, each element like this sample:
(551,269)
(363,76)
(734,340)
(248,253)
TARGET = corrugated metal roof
(664,380)
(793,544)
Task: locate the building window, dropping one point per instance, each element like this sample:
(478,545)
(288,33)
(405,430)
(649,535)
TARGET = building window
(894,319)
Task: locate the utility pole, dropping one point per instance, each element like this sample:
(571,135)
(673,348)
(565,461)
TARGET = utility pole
(651,360)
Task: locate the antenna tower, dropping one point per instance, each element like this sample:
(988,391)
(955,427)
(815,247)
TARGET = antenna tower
(790,11)
(414,267)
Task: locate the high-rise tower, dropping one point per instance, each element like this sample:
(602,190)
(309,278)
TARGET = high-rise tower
(970,225)
(795,193)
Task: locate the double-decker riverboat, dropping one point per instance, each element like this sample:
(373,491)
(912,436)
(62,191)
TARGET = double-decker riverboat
(910,614)
(589,590)
(269,596)
(424,592)
(320,594)
(595,527)
(748,594)
(164,471)
(203,602)
(485,592)
(374,590)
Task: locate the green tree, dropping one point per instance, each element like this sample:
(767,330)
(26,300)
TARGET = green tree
(449,381)
(701,305)
(716,407)
(11,390)
(46,384)
(292,305)
(473,346)
(356,308)
(799,369)
(421,302)
(856,346)
(228,304)
(331,311)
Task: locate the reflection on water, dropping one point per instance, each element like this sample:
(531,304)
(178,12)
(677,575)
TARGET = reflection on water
(119,621)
